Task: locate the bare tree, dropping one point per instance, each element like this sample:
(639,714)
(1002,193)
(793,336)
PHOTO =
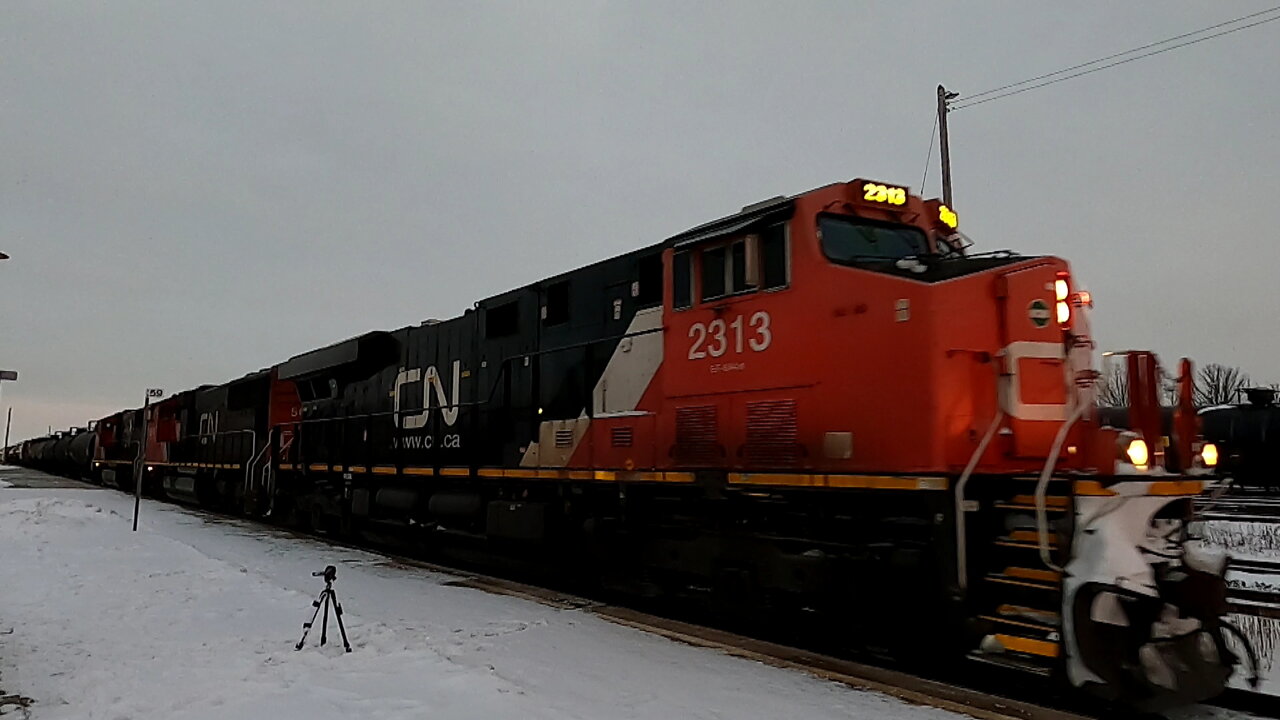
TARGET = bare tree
(1113,386)
(1219,384)
(1169,391)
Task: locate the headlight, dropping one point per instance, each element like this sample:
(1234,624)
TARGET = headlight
(150,468)
(1137,452)
(1209,454)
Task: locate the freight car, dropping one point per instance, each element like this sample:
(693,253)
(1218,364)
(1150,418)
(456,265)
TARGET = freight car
(1248,437)
(822,405)
(68,453)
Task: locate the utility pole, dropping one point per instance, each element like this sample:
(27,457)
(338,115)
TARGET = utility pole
(7,423)
(944,143)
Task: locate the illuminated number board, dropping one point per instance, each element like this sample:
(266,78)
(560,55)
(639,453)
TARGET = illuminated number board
(881,194)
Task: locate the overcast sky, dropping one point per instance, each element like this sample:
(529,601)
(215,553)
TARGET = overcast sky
(194,190)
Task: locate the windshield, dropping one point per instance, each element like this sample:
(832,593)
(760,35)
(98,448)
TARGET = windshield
(849,240)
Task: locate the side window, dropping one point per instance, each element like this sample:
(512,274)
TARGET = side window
(682,281)
(502,320)
(773,256)
(753,262)
(713,265)
(556,309)
(740,279)
(649,276)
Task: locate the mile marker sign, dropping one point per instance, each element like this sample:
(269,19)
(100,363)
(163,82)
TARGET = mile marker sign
(155,393)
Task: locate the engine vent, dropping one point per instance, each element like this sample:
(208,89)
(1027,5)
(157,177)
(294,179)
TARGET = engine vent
(622,436)
(564,437)
(697,431)
(772,434)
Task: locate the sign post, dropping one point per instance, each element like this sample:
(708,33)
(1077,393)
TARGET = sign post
(141,462)
(12,376)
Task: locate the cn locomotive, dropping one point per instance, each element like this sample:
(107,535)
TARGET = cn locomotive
(823,403)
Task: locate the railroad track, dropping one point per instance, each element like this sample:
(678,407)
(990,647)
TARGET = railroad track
(1240,508)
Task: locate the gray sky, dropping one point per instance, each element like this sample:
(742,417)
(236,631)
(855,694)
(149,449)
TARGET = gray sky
(194,190)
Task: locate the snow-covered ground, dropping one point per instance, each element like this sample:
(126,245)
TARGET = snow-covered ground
(192,618)
(1244,540)
(195,617)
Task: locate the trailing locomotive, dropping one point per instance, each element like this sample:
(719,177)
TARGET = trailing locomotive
(820,403)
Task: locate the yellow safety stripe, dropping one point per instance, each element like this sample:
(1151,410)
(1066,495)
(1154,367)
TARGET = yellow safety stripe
(1053,501)
(1156,487)
(1050,576)
(1029,646)
(819,480)
(864,482)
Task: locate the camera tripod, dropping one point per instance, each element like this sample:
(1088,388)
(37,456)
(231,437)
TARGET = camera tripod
(321,604)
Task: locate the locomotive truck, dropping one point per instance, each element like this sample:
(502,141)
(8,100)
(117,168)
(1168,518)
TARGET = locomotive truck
(823,404)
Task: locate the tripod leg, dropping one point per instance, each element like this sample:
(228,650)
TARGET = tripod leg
(306,626)
(324,619)
(337,612)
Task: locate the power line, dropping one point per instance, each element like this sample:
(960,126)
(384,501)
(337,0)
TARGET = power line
(1121,54)
(988,96)
(929,155)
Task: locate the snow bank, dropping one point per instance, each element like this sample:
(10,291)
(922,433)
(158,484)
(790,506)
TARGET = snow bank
(195,619)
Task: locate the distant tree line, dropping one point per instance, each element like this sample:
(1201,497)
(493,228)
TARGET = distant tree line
(1215,385)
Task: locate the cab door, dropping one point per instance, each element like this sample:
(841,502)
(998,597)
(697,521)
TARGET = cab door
(1034,390)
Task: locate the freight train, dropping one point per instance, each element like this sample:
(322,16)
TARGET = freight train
(823,404)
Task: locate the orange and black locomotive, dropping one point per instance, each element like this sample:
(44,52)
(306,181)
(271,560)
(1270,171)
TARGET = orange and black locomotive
(824,402)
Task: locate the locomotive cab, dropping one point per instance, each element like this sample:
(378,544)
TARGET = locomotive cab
(887,358)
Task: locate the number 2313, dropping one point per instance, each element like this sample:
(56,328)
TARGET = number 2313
(713,338)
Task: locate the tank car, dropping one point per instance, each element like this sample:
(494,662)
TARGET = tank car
(1247,436)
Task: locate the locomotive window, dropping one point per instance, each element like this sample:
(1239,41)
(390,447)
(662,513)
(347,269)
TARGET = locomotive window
(713,264)
(773,256)
(649,275)
(681,281)
(556,310)
(850,241)
(502,320)
(738,268)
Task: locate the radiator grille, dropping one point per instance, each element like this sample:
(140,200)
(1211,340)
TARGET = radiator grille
(564,437)
(697,434)
(771,434)
(622,436)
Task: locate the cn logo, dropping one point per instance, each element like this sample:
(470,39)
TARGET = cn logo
(448,408)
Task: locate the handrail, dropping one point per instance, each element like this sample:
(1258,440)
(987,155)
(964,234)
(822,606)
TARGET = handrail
(962,552)
(248,471)
(1042,487)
